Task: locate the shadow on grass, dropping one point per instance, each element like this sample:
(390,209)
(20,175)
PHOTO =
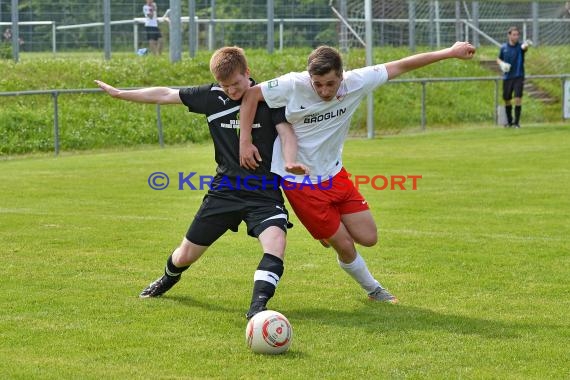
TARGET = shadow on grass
(384,318)
(208,306)
(378,318)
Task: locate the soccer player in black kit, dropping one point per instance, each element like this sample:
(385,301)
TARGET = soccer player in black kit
(259,204)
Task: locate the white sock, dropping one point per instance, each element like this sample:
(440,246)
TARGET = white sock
(360,273)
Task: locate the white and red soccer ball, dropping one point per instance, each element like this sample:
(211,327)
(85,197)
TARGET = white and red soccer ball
(268,332)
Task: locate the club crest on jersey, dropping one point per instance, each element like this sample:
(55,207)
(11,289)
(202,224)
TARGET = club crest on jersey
(273,83)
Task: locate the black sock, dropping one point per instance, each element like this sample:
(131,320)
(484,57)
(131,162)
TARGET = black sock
(266,278)
(172,270)
(509,110)
(518,110)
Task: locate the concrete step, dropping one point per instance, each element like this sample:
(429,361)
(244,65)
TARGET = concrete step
(531,88)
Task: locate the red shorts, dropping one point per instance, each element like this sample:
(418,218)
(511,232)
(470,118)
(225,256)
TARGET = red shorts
(320,206)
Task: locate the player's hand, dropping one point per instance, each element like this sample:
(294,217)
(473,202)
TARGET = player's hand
(248,155)
(296,168)
(107,88)
(527,43)
(463,50)
(505,67)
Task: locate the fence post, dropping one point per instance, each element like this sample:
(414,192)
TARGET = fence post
(369,60)
(107,28)
(175,31)
(496,101)
(55,123)
(458,29)
(135,35)
(565,98)
(412,25)
(535,28)
(192,28)
(424,106)
(53,38)
(281,35)
(270,27)
(211,25)
(475,11)
(159,126)
(15,31)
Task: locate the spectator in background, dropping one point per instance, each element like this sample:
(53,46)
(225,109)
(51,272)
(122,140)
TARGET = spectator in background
(153,34)
(511,61)
(7,37)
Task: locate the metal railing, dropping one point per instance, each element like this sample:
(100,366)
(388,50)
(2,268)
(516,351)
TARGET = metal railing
(281,24)
(422,81)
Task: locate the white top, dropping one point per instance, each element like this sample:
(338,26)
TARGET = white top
(321,127)
(151,20)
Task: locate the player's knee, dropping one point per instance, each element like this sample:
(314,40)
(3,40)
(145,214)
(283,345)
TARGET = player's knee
(181,256)
(273,240)
(343,245)
(278,244)
(368,240)
(186,254)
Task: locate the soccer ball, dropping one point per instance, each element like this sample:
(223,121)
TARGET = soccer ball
(268,332)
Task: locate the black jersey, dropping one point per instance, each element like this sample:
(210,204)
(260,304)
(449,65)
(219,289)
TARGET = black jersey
(222,114)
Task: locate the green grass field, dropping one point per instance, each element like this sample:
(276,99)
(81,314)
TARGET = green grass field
(478,256)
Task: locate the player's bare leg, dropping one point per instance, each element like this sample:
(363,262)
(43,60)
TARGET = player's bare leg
(361,227)
(153,45)
(179,261)
(269,270)
(159,46)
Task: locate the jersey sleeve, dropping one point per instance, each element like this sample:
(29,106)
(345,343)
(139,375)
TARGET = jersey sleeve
(195,98)
(371,76)
(278,115)
(276,91)
(501,53)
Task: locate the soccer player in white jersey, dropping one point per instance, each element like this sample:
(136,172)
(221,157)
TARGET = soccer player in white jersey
(319,104)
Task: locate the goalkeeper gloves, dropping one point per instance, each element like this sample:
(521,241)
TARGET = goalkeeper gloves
(526,44)
(505,67)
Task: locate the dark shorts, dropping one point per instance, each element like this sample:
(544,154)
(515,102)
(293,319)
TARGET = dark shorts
(217,214)
(513,85)
(152,33)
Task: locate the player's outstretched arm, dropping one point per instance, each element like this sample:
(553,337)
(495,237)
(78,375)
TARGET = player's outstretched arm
(289,148)
(526,44)
(154,95)
(505,67)
(460,50)
(248,153)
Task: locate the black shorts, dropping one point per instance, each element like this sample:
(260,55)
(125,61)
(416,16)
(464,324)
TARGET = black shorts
(513,85)
(219,213)
(152,33)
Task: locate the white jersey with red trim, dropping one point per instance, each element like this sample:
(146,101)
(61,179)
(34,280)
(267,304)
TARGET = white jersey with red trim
(321,126)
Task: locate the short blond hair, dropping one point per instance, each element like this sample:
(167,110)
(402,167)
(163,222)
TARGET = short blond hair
(226,61)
